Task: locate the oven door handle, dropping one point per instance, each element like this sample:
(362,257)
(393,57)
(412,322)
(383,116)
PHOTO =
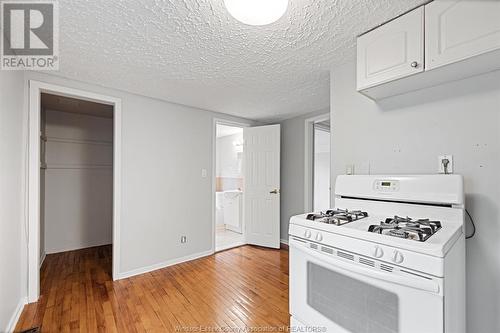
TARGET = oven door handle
(416,283)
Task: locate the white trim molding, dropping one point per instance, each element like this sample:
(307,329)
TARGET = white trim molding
(36,88)
(164,264)
(42,258)
(11,326)
(75,248)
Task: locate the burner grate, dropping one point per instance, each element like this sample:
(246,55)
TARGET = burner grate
(406,227)
(337,216)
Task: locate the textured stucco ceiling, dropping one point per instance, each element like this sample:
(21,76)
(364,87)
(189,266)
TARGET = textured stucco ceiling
(192,52)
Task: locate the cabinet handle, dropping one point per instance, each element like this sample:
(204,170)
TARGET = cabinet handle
(275,191)
(414,64)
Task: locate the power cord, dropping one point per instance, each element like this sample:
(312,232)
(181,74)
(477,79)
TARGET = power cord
(445,162)
(473,225)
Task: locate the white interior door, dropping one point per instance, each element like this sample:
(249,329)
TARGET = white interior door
(262,185)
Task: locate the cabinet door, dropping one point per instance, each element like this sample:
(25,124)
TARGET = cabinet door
(460,29)
(392,51)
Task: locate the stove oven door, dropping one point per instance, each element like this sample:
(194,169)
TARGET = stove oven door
(342,292)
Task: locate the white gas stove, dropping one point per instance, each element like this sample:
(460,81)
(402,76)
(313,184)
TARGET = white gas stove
(390,257)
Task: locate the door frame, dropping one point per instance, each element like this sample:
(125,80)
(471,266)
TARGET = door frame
(36,88)
(222,121)
(309,160)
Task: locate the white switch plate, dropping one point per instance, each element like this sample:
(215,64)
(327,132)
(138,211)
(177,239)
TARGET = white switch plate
(441,166)
(204,173)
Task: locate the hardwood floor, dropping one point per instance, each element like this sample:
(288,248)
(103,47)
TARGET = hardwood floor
(246,287)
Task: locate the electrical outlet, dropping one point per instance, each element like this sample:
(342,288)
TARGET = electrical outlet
(349,169)
(441,165)
(183,239)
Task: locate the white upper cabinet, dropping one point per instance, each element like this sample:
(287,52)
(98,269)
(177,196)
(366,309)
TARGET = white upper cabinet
(462,39)
(392,51)
(459,29)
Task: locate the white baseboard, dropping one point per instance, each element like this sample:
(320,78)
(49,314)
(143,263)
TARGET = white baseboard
(78,247)
(15,316)
(284,241)
(42,259)
(234,229)
(164,264)
(229,246)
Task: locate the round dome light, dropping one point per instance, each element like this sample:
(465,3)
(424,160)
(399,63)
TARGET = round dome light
(256,12)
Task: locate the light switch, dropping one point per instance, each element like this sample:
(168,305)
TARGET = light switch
(204,173)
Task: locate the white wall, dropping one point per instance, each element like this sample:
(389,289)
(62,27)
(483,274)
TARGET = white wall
(12,289)
(164,148)
(321,170)
(78,181)
(293,168)
(229,156)
(405,134)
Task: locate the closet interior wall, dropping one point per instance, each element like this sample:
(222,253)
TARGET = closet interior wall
(76,180)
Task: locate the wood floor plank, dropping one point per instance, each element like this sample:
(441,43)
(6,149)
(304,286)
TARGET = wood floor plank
(246,287)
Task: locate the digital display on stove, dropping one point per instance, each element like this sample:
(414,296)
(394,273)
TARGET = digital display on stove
(387,184)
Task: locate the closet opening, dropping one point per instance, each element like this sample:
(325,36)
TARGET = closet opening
(76,187)
(74,182)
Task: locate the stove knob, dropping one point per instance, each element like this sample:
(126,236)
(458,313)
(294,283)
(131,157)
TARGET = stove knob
(307,234)
(397,257)
(378,252)
(319,237)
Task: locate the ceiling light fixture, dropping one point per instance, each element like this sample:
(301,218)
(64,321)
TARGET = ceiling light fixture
(256,12)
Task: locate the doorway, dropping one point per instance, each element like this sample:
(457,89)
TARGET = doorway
(73,176)
(251,178)
(76,175)
(321,163)
(229,185)
(317,164)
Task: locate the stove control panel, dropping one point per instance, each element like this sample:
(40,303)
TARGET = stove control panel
(396,257)
(322,241)
(381,185)
(317,235)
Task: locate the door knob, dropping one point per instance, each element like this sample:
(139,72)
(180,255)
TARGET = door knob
(275,191)
(414,64)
